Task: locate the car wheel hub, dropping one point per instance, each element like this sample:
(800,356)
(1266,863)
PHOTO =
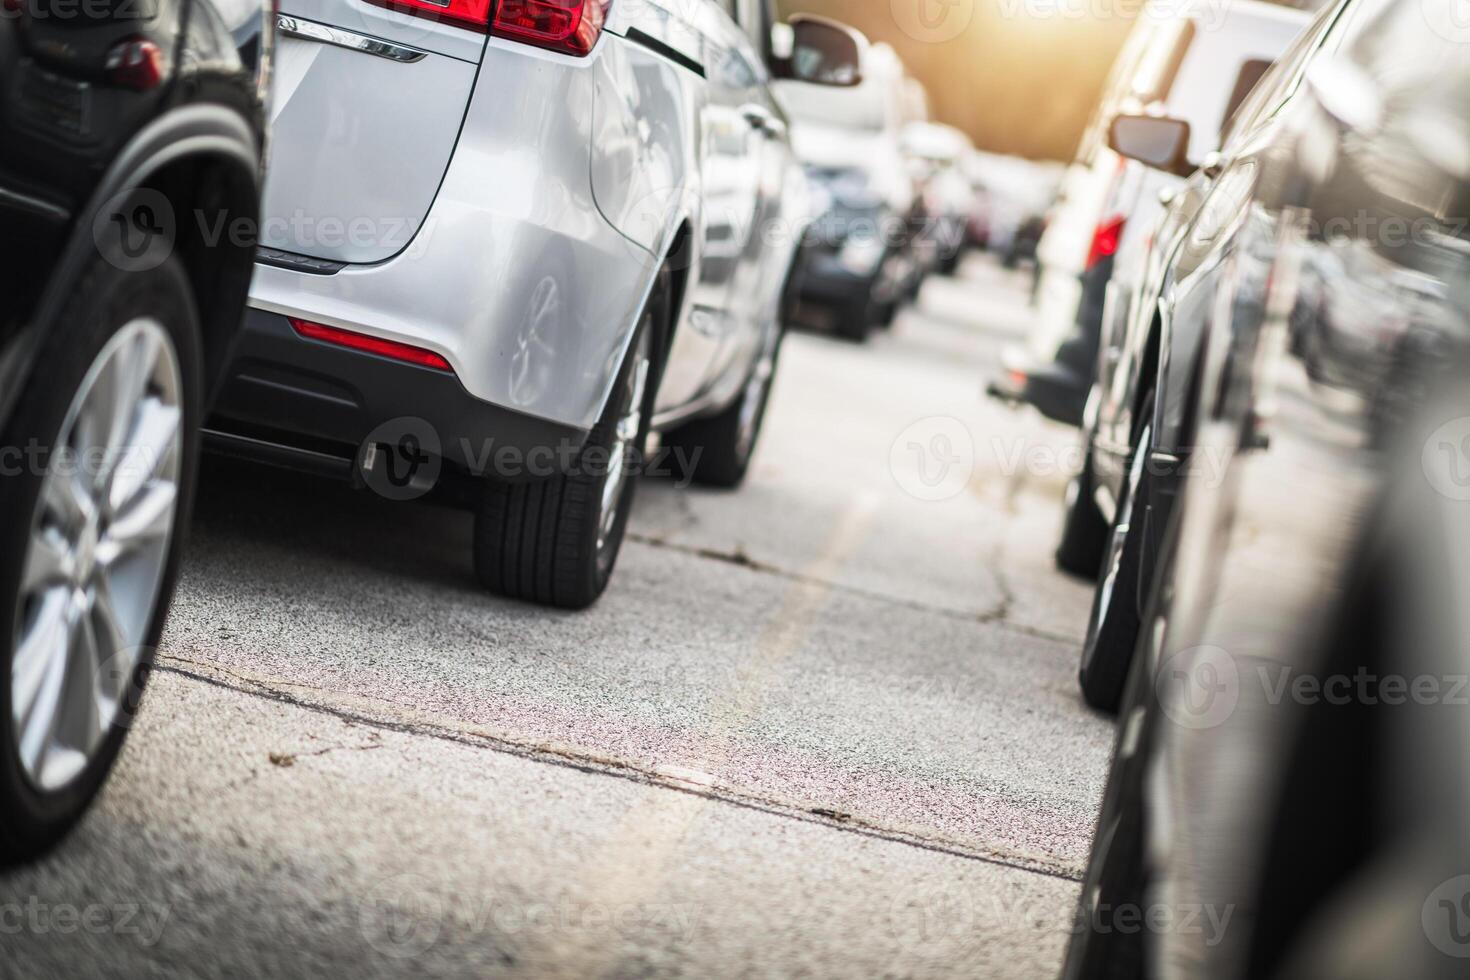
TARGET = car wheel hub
(625,433)
(96,553)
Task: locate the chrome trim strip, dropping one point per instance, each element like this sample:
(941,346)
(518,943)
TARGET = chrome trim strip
(309,30)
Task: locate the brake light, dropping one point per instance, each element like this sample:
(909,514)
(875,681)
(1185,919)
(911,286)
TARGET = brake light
(569,26)
(1105,240)
(370,345)
(136,63)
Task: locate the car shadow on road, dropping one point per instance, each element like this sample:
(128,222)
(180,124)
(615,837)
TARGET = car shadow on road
(300,513)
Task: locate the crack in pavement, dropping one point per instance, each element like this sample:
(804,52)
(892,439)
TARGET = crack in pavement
(998,615)
(287,760)
(355,708)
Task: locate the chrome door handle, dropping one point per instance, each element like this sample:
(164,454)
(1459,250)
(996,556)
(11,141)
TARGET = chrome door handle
(310,30)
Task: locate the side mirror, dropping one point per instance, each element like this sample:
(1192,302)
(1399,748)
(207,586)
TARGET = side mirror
(1154,141)
(823,52)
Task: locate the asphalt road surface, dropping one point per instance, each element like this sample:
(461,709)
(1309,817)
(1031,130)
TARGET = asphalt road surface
(826,726)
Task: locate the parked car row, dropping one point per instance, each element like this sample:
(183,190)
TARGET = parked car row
(484,251)
(1274,503)
(1197,67)
(1012,198)
(891,201)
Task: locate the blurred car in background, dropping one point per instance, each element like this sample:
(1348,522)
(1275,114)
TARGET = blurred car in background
(1292,766)
(857,260)
(936,153)
(1012,198)
(1195,64)
(1150,358)
(123,143)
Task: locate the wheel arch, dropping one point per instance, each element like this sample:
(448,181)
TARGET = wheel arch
(210,197)
(161,157)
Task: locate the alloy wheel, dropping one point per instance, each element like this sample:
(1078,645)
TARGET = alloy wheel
(625,434)
(96,553)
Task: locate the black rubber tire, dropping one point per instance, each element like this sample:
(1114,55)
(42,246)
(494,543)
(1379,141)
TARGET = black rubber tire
(536,540)
(1084,530)
(887,313)
(103,301)
(950,264)
(856,318)
(1117,872)
(1112,626)
(712,447)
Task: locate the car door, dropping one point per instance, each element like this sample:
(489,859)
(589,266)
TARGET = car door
(725,152)
(771,241)
(737,119)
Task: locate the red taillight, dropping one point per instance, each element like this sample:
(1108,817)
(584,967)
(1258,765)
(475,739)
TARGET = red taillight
(568,26)
(370,345)
(474,14)
(136,63)
(1105,240)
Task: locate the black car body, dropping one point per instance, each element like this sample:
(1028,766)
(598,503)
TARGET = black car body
(76,134)
(1292,751)
(132,134)
(1147,372)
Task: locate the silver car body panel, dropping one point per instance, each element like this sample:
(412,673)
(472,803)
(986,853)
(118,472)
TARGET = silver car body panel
(548,212)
